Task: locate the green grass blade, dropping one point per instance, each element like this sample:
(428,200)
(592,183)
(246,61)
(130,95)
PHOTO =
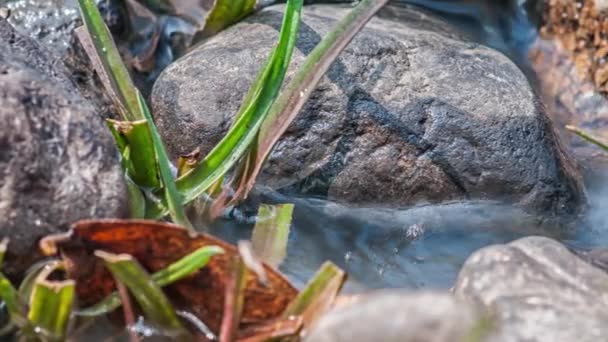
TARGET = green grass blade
(299,89)
(588,137)
(172,196)
(146,292)
(245,128)
(318,295)
(50,307)
(108,55)
(8,293)
(3,248)
(137,201)
(137,136)
(271,233)
(223,14)
(33,275)
(172,273)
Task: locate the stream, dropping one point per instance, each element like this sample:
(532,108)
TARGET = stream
(418,247)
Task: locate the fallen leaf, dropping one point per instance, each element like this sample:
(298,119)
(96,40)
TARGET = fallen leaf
(156,245)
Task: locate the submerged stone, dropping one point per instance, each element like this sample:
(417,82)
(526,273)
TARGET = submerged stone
(411,112)
(57,159)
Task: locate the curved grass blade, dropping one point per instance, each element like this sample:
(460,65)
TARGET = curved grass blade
(172,273)
(319,294)
(107,53)
(271,232)
(172,197)
(299,89)
(587,137)
(148,294)
(50,306)
(250,116)
(223,14)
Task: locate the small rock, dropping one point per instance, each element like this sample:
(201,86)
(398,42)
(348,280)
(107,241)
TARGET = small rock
(57,159)
(538,290)
(404,317)
(411,112)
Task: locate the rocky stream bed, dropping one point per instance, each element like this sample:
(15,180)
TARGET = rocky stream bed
(430,162)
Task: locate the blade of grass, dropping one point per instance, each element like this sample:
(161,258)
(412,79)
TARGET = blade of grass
(115,70)
(137,136)
(33,274)
(3,248)
(50,306)
(223,14)
(251,114)
(172,273)
(234,301)
(318,295)
(8,293)
(271,232)
(172,196)
(137,202)
(299,89)
(148,294)
(587,137)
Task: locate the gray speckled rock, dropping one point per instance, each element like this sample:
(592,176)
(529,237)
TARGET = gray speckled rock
(410,112)
(404,317)
(539,291)
(57,159)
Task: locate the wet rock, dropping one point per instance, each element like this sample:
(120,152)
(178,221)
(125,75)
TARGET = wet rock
(409,113)
(57,160)
(538,290)
(403,317)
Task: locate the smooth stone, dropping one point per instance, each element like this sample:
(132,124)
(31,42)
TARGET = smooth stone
(393,316)
(538,290)
(411,112)
(58,163)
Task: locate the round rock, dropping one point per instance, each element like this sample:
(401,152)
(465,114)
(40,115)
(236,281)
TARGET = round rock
(57,159)
(410,112)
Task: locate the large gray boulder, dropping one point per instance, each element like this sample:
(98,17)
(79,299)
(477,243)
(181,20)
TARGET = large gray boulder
(404,317)
(57,159)
(411,112)
(538,290)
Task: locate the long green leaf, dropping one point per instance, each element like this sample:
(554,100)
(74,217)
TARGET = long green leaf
(148,294)
(137,136)
(117,73)
(299,89)
(318,295)
(588,137)
(172,196)
(50,307)
(8,293)
(172,273)
(271,232)
(223,14)
(250,116)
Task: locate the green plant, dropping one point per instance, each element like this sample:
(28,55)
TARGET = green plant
(588,137)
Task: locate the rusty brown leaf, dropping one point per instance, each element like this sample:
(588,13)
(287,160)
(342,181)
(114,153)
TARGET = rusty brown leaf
(156,245)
